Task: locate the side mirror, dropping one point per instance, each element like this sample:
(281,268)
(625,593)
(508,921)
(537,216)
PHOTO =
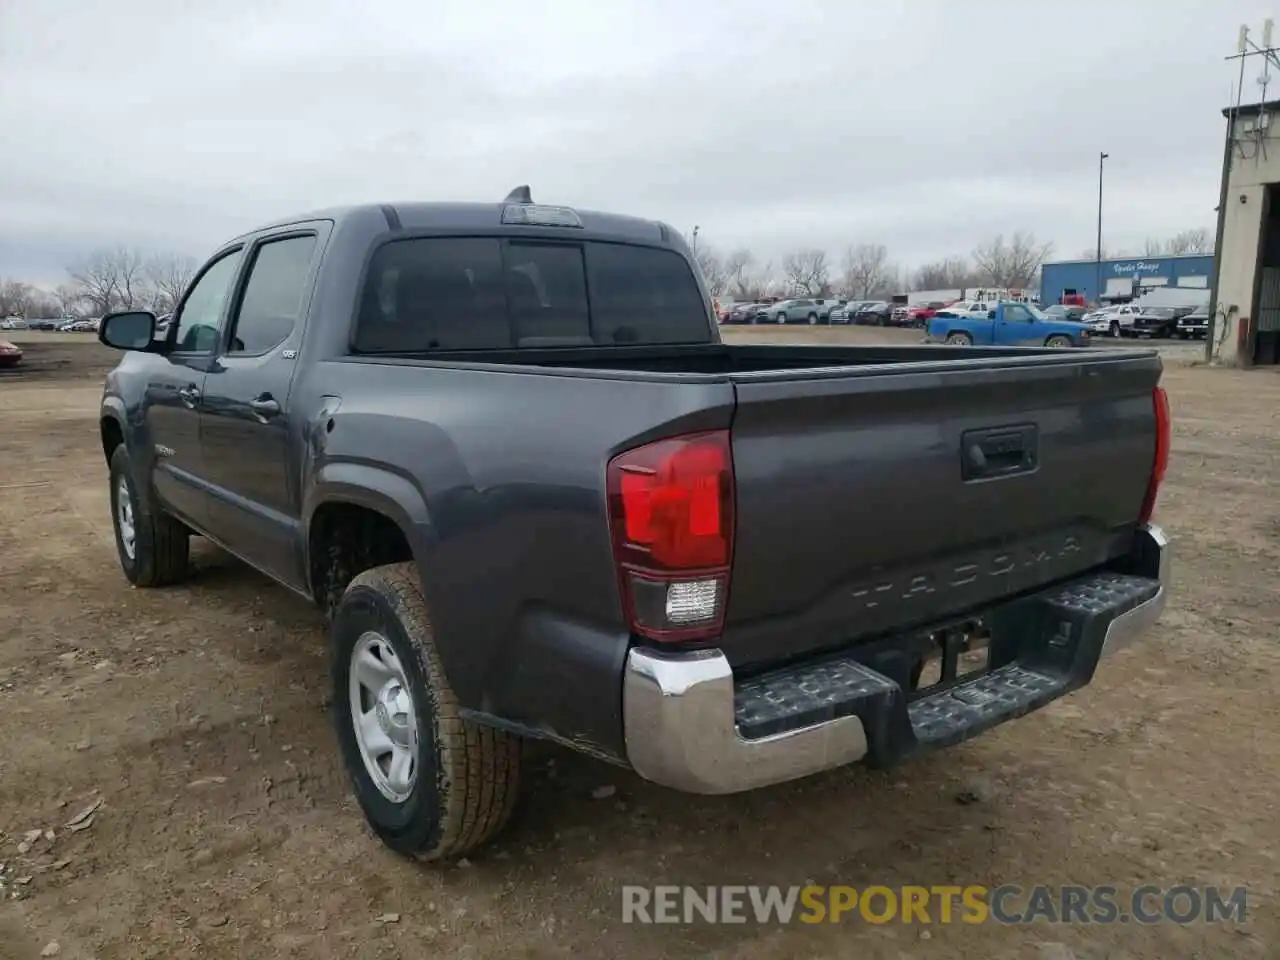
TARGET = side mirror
(129,330)
(991,314)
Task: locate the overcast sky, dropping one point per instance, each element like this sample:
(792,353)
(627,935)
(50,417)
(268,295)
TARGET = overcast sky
(926,125)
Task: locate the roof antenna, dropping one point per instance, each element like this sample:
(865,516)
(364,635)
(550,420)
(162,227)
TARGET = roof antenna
(520,195)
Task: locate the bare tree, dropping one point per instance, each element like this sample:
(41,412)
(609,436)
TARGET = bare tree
(1091,253)
(97,280)
(69,298)
(111,279)
(1196,240)
(134,292)
(948,274)
(15,298)
(170,275)
(1015,264)
(865,269)
(738,268)
(806,272)
(713,272)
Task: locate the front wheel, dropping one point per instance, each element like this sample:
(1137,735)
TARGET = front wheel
(813,319)
(432,784)
(959,339)
(154,548)
(1115,329)
(781,318)
(1058,342)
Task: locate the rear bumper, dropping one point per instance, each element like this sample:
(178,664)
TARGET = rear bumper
(690,726)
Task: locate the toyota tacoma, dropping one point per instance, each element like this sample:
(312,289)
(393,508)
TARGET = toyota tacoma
(503,448)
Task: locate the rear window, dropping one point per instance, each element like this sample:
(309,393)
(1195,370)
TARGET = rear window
(485,293)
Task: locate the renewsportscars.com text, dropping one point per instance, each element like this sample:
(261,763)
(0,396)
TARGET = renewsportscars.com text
(1008,904)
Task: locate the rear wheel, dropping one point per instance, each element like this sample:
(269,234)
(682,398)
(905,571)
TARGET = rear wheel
(959,339)
(431,783)
(1058,341)
(813,319)
(154,548)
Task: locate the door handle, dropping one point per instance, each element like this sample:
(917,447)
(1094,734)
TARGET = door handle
(189,394)
(265,406)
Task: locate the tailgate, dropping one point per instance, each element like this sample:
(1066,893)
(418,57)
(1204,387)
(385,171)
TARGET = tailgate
(875,499)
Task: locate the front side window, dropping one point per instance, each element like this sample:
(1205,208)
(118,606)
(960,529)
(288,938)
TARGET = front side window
(273,296)
(200,315)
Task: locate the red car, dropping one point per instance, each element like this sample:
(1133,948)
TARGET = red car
(10,354)
(918,316)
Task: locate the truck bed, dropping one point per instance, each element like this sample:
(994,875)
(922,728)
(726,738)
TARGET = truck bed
(720,358)
(858,510)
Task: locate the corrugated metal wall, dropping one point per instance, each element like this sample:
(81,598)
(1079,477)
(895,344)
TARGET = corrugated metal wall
(1269,301)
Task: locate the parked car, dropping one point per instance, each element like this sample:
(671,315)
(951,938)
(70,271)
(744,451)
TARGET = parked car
(45,323)
(1195,325)
(922,313)
(828,306)
(1155,322)
(742,313)
(10,354)
(645,564)
(796,310)
(1113,321)
(1060,311)
(844,313)
(13,323)
(1009,324)
(877,313)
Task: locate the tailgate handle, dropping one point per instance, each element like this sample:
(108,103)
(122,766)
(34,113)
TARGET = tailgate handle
(998,452)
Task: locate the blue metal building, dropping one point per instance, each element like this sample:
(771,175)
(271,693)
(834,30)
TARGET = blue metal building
(1122,279)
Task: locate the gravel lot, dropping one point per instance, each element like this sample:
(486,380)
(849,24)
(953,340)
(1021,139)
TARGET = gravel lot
(196,717)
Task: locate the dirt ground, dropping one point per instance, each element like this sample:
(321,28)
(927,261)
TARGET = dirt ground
(196,717)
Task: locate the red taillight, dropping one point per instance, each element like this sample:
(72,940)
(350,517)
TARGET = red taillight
(671,511)
(1164,436)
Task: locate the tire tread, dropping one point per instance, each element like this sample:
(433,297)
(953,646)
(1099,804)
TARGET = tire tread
(478,766)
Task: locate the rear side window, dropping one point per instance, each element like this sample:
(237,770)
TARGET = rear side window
(488,293)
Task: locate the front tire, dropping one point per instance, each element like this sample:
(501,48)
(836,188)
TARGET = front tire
(813,319)
(1115,329)
(432,784)
(154,548)
(781,318)
(1058,342)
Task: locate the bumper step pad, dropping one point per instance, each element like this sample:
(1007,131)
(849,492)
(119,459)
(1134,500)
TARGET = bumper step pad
(1042,647)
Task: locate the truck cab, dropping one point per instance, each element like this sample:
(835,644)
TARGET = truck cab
(1005,325)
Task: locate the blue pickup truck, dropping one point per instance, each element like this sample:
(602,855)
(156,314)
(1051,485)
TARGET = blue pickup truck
(1008,325)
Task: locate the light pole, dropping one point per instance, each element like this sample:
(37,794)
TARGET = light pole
(1098,264)
(695,240)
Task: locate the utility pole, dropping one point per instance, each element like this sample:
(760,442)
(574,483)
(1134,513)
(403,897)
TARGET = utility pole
(1098,263)
(695,240)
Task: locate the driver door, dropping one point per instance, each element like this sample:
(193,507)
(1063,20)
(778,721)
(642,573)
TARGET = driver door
(1015,326)
(175,390)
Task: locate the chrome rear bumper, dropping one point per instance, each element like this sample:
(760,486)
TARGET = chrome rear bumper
(681,715)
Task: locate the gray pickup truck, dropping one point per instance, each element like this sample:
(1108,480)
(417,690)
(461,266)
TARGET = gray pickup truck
(502,447)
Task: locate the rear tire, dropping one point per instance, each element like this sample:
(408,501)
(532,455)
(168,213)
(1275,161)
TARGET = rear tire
(959,340)
(154,549)
(461,781)
(813,319)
